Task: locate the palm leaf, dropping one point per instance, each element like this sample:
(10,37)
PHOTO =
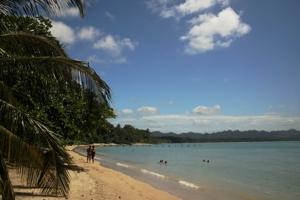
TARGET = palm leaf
(42,159)
(5,94)
(40,169)
(6,189)
(45,50)
(37,7)
(17,44)
(15,150)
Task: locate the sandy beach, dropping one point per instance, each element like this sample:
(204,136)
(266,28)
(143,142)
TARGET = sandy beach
(97,182)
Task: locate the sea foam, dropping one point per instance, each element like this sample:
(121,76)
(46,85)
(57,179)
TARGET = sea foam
(153,173)
(188,184)
(122,165)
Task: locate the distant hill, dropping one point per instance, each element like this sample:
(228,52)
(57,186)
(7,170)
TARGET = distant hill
(227,136)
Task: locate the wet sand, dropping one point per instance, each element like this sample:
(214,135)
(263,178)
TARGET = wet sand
(96,182)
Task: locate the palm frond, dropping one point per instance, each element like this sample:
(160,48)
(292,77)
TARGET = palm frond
(17,44)
(37,7)
(42,158)
(60,68)
(5,94)
(6,189)
(17,151)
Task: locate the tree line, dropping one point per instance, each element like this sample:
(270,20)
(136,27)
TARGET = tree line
(228,136)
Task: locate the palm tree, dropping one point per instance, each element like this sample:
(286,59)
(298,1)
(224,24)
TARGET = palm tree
(32,148)
(37,7)
(27,144)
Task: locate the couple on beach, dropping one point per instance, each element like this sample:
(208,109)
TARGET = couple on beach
(90,153)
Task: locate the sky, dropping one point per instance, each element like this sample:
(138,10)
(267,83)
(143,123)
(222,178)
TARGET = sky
(192,65)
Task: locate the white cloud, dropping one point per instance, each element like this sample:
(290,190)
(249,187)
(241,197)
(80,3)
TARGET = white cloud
(110,16)
(162,7)
(95,59)
(211,123)
(63,32)
(88,33)
(126,42)
(108,43)
(147,110)
(115,45)
(127,111)
(119,60)
(66,34)
(69,12)
(193,6)
(210,31)
(203,110)
(169,8)
(129,121)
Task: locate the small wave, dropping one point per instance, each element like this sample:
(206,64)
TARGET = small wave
(188,184)
(122,165)
(153,173)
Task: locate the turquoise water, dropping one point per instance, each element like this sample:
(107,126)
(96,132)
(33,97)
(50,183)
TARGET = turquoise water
(256,170)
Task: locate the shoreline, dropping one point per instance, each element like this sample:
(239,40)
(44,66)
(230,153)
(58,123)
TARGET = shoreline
(180,188)
(112,181)
(98,182)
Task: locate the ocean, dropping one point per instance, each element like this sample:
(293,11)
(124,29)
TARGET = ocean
(244,170)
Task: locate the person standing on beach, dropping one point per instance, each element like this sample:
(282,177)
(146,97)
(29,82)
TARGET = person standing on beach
(93,153)
(88,154)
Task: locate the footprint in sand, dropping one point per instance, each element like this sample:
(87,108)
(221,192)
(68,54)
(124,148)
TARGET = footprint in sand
(132,187)
(141,194)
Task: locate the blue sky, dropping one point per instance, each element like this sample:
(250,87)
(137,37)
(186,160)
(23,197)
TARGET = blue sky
(193,65)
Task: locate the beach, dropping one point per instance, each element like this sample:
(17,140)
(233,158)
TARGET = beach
(131,172)
(97,182)
(236,171)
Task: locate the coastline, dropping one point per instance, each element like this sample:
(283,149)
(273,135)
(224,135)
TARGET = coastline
(98,182)
(181,189)
(112,180)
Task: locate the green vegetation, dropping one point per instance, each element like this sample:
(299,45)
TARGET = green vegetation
(126,135)
(42,104)
(227,136)
(43,80)
(51,93)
